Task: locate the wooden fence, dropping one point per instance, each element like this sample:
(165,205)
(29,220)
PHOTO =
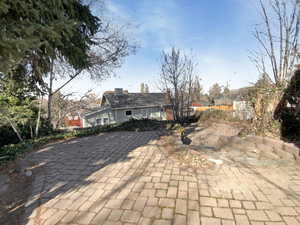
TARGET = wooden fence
(215,107)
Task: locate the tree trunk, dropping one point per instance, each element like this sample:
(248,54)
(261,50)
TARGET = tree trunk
(39,118)
(50,94)
(31,132)
(264,108)
(59,119)
(15,129)
(181,107)
(49,114)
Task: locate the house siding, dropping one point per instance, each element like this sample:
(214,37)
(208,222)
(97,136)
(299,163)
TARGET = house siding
(98,118)
(119,115)
(140,113)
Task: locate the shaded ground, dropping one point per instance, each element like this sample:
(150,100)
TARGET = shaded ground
(14,190)
(132,178)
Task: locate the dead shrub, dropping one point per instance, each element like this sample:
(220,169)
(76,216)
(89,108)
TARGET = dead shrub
(264,99)
(215,115)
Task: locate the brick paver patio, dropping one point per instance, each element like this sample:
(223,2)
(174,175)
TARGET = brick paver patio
(124,178)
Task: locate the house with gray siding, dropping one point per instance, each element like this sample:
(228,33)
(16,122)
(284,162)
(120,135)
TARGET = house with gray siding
(120,106)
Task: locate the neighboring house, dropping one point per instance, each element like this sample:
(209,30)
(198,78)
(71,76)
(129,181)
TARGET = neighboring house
(242,106)
(243,110)
(224,101)
(73,121)
(120,106)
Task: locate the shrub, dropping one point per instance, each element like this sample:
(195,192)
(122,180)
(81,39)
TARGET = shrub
(139,125)
(290,124)
(7,136)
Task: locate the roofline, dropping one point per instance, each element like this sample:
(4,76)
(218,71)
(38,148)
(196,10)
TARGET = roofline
(137,107)
(106,99)
(133,93)
(104,96)
(130,107)
(91,113)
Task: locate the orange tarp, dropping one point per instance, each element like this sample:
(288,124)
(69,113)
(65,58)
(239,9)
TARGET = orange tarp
(73,122)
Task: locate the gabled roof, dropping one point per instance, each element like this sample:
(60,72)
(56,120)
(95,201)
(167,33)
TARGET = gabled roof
(96,110)
(132,100)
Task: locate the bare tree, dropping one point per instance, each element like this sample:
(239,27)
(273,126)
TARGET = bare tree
(188,82)
(215,91)
(38,120)
(142,88)
(146,88)
(64,105)
(176,79)
(226,90)
(277,36)
(197,90)
(110,48)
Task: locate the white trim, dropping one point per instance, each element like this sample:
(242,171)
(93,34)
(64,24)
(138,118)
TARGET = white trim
(139,107)
(100,110)
(125,108)
(103,119)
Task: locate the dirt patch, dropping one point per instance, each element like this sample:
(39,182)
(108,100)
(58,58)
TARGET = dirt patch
(175,150)
(216,144)
(213,136)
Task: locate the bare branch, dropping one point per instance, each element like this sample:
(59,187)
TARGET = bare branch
(278,37)
(176,79)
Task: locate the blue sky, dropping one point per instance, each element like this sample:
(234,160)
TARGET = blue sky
(218,32)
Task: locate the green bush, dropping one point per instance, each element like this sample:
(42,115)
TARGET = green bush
(290,124)
(11,151)
(8,136)
(287,112)
(138,125)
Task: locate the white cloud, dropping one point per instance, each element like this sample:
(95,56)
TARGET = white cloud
(117,11)
(158,23)
(160,27)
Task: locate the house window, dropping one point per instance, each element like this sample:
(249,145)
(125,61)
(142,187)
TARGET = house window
(105,121)
(98,121)
(128,113)
(144,113)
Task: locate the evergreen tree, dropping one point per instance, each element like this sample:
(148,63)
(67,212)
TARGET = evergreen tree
(40,35)
(215,91)
(17,106)
(33,32)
